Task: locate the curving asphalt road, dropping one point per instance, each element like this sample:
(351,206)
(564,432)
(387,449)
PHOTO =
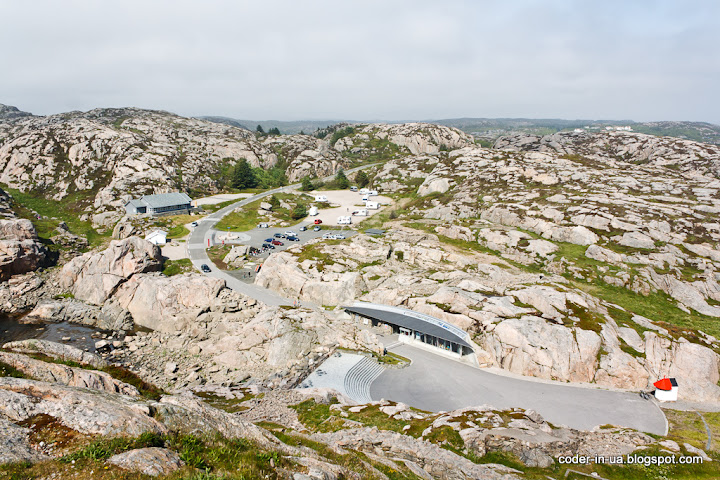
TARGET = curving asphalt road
(198,240)
(436,383)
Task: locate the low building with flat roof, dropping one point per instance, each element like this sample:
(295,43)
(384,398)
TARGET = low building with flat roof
(415,327)
(159,204)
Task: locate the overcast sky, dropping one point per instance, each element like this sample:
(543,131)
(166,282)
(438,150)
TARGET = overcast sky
(366,60)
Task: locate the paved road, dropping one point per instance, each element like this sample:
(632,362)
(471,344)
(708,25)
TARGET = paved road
(436,383)
(198,240)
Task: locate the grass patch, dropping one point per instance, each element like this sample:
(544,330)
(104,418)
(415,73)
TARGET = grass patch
(177,267)
(66,210)
(10,371)
(217,253)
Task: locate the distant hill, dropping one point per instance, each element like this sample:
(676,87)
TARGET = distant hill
(8,112)
(286,128)
(492,128)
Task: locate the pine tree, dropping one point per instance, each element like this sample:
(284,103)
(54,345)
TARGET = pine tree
(306,184)
(259,129)
(298,212)
(362,179)
(341,180)
(243,176)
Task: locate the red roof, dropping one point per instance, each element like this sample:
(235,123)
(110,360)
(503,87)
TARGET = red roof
(663,384)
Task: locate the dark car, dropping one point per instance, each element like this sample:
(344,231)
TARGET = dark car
(293,239)
(267,246)
(279,235)
(205,268)
(268,240)
(278,243)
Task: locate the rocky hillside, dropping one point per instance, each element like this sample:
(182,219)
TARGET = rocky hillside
(94,161)
(584,258)
(79,420)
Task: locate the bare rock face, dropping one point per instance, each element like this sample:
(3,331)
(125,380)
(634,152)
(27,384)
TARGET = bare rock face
(696,367)
(151,461)
(87,411)
(124,229)
(532,346)
(109,317)
(15,444)
(62,374)
(167,303)
(95,276)
(20,250)
(56,350)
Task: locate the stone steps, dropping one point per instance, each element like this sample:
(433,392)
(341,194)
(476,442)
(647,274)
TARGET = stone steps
(360,377)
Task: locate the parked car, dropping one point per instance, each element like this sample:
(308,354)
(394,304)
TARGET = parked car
(353,189)
(278,243)
(318,221)
(339,236)
(303,228)
(293,239)
(267,246)
(328,236)
(194,224)
(205,268)
(290,233)
(263,225)
(279,235)
(317,228)
(268,240)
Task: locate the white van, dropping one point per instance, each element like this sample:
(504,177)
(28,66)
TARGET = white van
(353,188)
(372,205)
(361,212)
(321,198)
(313,211)
(363,191)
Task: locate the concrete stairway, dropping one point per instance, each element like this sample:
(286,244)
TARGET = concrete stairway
(360,377)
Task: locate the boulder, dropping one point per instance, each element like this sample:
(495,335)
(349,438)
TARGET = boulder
(20,250)
(151,461)
(433,185)
(167,303)
(95,276)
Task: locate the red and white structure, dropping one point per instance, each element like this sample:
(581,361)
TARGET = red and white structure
(666,390)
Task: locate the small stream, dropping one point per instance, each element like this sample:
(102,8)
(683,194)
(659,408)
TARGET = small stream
(79,336)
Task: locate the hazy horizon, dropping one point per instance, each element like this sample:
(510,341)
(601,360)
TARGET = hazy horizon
(375,61)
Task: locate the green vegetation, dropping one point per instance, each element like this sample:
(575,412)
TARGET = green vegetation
(342,133)
(300,211)
(361,179)
(52,213)
(247,218)
(243,175)
(177,267)
(307,185)
(217,253)
(341,180)
(10,371)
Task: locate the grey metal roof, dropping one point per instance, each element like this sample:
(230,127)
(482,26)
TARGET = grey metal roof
(412,320)
(166,199)
(375,231)
(136,203)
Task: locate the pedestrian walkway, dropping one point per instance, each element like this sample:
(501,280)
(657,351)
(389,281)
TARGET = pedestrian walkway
(359,379)
(348,373)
